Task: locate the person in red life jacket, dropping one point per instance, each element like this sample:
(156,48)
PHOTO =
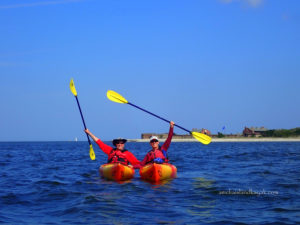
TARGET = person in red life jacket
(118,154)
(158,154)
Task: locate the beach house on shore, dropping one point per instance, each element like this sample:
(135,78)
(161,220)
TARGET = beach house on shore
(254,131)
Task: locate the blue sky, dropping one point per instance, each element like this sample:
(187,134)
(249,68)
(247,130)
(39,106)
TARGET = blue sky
(203,64)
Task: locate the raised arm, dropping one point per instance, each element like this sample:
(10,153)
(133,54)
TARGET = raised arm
(104,147)
(170,135)
(91,135)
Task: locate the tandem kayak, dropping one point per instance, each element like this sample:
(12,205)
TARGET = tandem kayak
(157,172)
(116,171)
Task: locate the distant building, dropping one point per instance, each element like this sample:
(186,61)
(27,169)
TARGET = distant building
(254,131)
(176,136)
(247,132)
(160,136)
(205,131)
(165,136)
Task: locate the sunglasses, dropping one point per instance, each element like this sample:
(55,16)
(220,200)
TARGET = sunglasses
(153,141)
(121,143)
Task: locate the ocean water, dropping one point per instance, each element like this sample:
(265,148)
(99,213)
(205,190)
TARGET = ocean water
(222,183)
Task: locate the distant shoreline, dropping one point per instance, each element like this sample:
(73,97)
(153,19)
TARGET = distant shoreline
(242,139)
(296,139)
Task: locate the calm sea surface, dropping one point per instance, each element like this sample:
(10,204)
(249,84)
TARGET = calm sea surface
(222,183)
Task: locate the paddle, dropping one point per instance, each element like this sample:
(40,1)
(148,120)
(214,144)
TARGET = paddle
(73,90)
(115,97)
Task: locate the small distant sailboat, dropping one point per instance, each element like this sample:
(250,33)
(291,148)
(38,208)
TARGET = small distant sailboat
(76,139)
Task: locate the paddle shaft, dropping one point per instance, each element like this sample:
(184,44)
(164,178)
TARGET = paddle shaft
(82,119)
(157,116)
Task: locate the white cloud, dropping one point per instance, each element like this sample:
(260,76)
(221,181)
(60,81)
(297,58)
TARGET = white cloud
(40,3)
(251,3)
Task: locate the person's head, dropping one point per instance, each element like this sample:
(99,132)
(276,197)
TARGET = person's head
(154,142)
(119,143)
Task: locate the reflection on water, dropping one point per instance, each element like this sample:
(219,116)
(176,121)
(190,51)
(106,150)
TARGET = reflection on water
(202,183)
(202,202)
(158,184)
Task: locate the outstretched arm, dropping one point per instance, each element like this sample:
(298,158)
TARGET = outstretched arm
(104,147)
(91,135)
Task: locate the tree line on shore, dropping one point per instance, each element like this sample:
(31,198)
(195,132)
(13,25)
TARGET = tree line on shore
(282,132)
(274,133)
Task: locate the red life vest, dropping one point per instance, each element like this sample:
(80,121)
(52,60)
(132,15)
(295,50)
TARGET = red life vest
(153,154)
(117,156)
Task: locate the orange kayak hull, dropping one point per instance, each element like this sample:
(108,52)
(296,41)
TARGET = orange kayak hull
(116,171)
(157,172)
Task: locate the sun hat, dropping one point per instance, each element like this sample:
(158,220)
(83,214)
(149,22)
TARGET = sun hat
(117,140)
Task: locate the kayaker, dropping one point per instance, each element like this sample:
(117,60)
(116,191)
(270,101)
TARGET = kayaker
(117,154)
(158,154)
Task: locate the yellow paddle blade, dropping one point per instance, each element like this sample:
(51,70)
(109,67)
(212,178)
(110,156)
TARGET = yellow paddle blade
(92,153)
(204,139)
(115,97)
(72,87)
